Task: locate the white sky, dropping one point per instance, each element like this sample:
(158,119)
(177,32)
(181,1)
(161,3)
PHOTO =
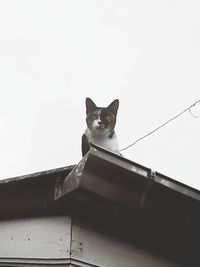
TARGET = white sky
(53,54)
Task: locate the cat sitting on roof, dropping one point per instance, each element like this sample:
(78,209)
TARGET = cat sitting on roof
(100,126)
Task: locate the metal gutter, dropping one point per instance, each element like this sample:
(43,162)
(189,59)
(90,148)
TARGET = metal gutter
(116,195)
(105,178)
(177,186)
(132,186)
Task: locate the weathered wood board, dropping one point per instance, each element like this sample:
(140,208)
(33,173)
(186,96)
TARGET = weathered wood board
(60,240)
(40,237)
(91,246)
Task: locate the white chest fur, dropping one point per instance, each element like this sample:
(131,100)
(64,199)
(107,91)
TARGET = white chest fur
(103,140)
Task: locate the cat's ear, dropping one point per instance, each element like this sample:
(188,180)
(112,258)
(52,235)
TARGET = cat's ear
(113,107)
(90,105)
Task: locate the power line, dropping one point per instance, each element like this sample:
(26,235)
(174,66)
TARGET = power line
(194,116)
(162,125)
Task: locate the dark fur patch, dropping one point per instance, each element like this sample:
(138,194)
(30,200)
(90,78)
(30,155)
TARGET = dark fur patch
(85,145)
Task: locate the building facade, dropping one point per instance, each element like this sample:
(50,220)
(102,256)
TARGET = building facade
(106,211)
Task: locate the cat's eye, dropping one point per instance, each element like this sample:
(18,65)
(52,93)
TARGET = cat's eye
(93,116)
(108,117)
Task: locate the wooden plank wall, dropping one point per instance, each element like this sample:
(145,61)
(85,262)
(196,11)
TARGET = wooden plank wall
(90,245)
(42,237)
(59,240)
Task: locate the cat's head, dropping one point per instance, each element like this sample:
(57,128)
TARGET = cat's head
(101,120)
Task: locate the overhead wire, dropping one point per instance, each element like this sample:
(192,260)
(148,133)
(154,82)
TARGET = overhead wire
(162,125)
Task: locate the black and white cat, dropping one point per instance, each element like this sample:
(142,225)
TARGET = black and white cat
(100,126)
